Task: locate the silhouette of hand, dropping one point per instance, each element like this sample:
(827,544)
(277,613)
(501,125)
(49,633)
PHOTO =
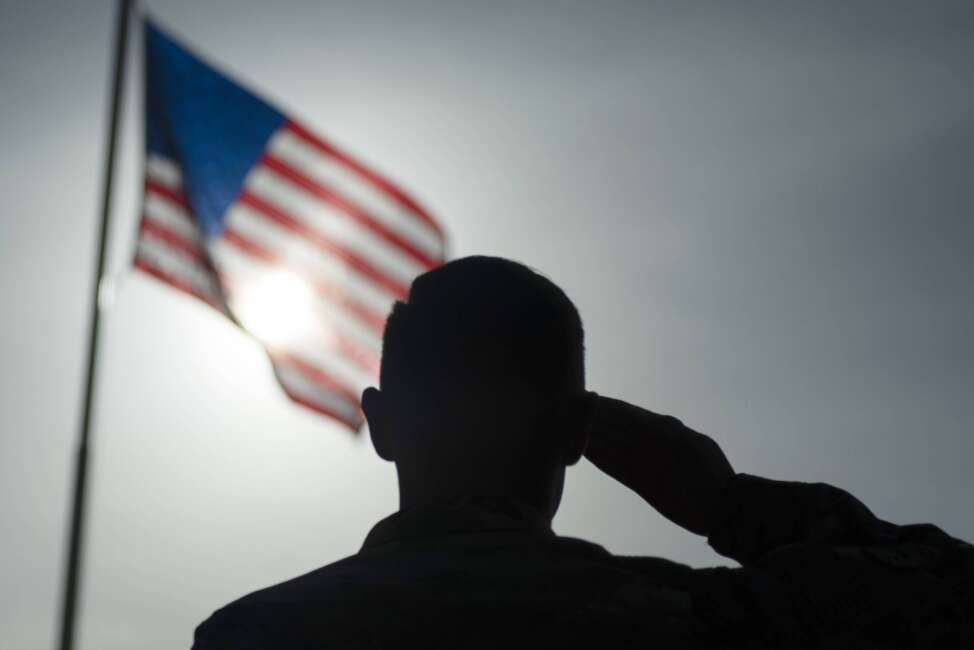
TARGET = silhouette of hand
(680,472)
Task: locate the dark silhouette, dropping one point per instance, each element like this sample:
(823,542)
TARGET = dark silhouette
(482,407)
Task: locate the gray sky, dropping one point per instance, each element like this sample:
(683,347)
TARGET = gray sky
(762,209)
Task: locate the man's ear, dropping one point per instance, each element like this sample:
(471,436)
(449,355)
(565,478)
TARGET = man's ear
(376,412)
(575,416)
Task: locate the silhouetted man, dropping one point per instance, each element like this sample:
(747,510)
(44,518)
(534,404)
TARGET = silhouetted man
(482,407)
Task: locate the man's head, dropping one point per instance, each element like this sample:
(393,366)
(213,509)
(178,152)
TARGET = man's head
(482,385)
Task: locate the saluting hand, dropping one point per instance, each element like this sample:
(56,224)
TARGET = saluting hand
(680,472)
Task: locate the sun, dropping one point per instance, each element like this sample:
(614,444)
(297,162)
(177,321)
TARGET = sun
(278,308)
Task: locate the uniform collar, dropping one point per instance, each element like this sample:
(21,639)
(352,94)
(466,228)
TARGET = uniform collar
(458,517)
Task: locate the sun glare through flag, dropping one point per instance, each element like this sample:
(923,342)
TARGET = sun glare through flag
(298,243)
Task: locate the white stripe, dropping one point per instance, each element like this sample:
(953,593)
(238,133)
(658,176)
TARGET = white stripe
(334,174)
(325,218)
(163,170)
(308,257)
(302,386)
(240,270)
(172,216)
(174,262)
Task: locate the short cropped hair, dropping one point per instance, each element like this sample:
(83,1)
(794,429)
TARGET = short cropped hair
(483,319)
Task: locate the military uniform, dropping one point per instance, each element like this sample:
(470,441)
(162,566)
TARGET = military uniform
(818,570)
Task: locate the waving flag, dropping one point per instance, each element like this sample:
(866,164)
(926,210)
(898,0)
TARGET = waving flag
(294,240)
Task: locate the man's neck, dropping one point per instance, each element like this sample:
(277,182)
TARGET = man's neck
(469,515)
(427,487)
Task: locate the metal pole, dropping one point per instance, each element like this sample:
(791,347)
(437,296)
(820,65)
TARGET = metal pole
(72,576)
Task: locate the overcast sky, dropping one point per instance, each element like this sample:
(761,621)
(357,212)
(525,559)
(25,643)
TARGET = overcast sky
(764,211)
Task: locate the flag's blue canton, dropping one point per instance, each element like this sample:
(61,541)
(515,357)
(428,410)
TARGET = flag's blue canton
(212,127)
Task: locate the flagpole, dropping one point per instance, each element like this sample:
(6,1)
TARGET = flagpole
(72,575)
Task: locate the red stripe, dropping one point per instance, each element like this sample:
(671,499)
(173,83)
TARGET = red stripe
(362,356)
(315,374)
(321,408)
(171,193)
(145,265)
(370,318)
(328,195)
(272,212)
(366,173)
(155,230)
(249,246)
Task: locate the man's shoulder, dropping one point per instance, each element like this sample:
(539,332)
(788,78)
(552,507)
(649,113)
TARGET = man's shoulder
(301,587)
(247,621)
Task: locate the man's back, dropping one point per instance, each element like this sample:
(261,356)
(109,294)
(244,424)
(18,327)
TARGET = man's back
(464,576)
(489,573)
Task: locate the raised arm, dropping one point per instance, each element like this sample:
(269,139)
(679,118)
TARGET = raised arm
(819,570)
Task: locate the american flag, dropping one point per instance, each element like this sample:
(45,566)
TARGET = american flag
(294,240)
